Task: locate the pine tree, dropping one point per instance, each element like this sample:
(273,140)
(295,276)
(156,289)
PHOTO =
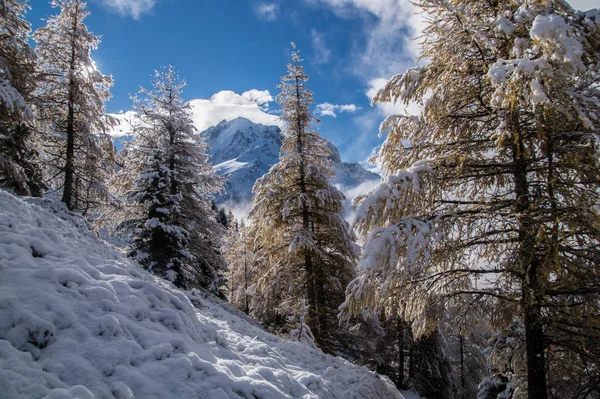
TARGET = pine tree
(71,111)
(304,248)
(231,222)
(497,180)
(160,245)
(170,181)
(431,372)
(222,218)
(19,170)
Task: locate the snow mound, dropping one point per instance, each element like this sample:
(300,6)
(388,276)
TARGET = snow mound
(80,320)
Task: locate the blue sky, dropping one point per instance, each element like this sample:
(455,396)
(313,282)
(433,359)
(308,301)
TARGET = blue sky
(224,48)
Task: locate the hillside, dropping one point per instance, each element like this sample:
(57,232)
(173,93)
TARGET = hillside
(80,320)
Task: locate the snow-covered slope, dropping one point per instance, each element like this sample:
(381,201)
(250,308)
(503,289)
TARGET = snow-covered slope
(79,320)
(243,151)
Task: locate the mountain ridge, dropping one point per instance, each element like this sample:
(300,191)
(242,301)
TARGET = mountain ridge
(243,151)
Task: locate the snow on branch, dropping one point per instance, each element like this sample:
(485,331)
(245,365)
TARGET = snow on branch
(382,203)
(400,88)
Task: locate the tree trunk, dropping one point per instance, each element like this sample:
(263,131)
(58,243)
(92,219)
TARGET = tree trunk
(536,363)
(68,188)
(308,264)
(530,265)
(411,360)
(173,181)
(312,320)
(462,366)
(400,339)
(246,302)
(320,294)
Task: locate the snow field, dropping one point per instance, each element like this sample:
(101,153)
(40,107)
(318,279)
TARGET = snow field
(80,320)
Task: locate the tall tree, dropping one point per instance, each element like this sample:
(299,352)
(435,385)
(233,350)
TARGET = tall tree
(496,180)
(18,169)
(308,251)
(239,266)
(168,177)
(72,94)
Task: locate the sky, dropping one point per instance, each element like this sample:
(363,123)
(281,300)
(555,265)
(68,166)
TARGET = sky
(232,53)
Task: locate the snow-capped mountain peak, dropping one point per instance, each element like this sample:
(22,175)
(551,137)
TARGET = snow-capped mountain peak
(243,151)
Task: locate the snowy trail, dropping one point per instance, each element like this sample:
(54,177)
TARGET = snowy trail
(80,320)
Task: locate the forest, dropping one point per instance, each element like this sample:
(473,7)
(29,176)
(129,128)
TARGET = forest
(472,270)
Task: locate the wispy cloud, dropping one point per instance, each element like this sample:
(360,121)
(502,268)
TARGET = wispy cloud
(132,8)
(267,11)
(322,52)
(328,109)
(389,45)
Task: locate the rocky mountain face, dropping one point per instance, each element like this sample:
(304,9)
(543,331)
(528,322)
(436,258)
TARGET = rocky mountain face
(243,151)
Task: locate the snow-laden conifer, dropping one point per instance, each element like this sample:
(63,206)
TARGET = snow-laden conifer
(17,59)
(168,178)
(71,95)
(490,195)
(303,247)
(18,168)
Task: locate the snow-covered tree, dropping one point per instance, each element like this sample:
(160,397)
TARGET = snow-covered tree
(429,368)
(490,195)
(169,179)
(239,266)
(222,217)
(18,168)
(71,98)
(304,248)
(160,244)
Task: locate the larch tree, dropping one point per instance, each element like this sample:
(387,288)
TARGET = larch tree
(304,250)
(490,196)
(239,266)
(169,179)
(71,96)
(19,170)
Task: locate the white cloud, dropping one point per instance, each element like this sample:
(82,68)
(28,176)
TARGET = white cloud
(322,52)
(328,109)
(224,105)
(228,105)
(260,97)
(124,127)
(267,11)
(133,8)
